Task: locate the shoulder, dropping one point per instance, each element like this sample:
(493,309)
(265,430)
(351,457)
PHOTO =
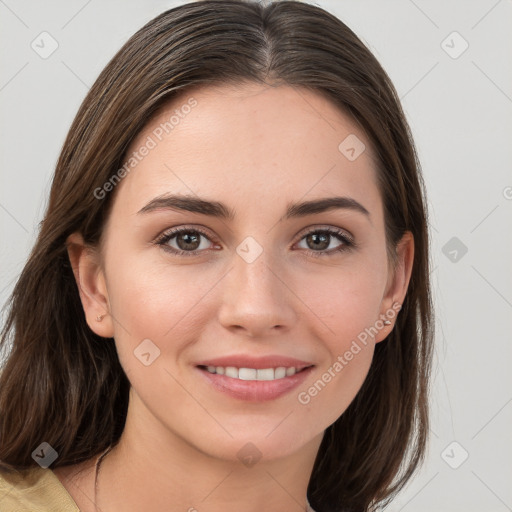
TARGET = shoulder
(34,490)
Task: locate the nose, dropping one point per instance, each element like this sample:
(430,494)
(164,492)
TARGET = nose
(257,300)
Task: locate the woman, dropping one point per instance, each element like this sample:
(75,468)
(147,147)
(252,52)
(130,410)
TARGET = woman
(228,305)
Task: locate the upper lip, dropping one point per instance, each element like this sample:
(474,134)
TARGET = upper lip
(246,361)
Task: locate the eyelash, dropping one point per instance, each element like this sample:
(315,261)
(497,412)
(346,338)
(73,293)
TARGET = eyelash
(348,241)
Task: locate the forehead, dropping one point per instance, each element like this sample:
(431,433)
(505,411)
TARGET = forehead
(235,141)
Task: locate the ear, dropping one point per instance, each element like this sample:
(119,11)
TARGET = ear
(90,280)
(398,282)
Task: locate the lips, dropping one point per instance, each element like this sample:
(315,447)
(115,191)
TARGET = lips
(254,379)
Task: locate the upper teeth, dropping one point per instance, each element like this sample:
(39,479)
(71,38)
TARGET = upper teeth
(253,373)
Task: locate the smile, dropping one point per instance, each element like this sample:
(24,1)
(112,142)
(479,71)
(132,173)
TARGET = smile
(265,374)
(253,384)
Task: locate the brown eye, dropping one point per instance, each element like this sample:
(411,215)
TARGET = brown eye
(319,240)
(188,240)
(184,242)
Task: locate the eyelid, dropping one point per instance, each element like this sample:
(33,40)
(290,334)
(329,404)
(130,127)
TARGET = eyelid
(184,227)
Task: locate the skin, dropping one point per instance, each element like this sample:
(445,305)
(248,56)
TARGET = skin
(255,148)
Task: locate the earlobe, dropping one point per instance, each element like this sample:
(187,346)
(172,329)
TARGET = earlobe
(398,284)
(90,280)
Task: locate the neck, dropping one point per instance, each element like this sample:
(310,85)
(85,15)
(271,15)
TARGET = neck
(151,470)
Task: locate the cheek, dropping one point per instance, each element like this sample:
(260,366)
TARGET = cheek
(166,306)
(346,300)
(348,311)
(348,306)
(149,288)
(156,301)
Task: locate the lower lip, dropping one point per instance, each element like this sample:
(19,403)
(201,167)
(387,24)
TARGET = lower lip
(255,390)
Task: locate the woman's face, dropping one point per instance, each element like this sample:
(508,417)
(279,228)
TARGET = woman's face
(257,277)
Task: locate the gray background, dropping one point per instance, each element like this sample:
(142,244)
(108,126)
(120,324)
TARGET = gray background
(459,105)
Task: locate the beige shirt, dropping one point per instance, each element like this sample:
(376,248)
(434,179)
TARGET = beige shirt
(34,490)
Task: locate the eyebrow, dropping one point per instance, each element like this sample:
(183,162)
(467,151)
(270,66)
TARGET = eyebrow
(220,210)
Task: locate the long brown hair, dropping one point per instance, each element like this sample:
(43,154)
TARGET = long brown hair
(63,384)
